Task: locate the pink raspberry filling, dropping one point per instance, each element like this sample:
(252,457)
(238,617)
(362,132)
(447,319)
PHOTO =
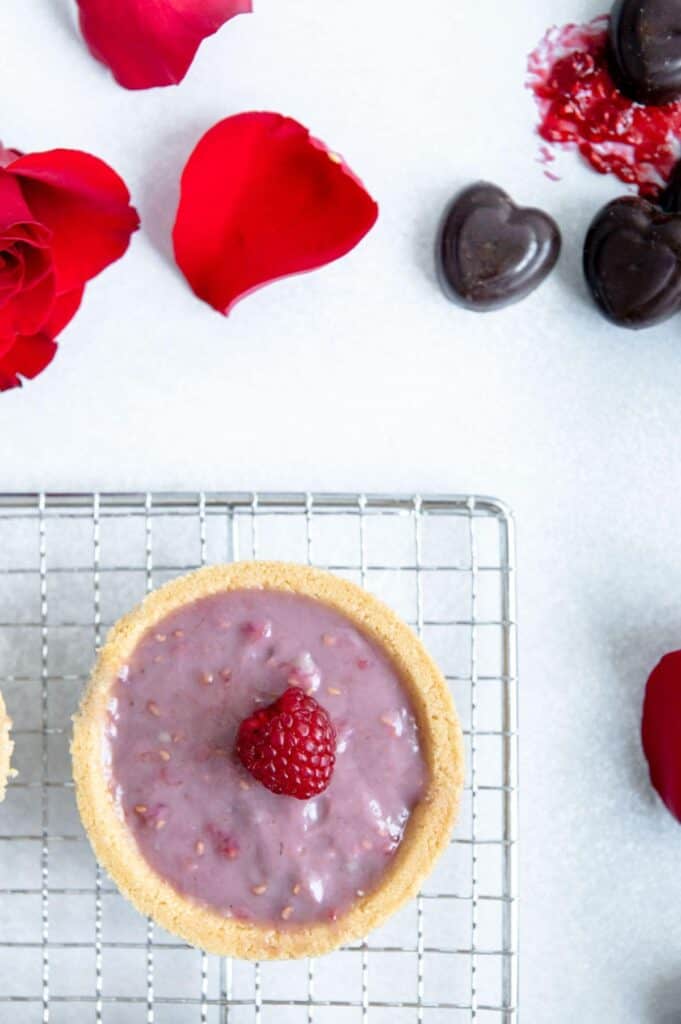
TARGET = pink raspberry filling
(199,819)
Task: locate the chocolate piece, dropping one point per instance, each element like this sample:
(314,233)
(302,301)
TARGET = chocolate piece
(491,252)
(632,262)
(670,199)
(645,49)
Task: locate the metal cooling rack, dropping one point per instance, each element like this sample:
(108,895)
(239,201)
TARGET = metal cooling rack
(71,948)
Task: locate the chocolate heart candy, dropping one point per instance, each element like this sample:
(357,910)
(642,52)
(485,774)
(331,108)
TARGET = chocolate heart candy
(491,252)
(645,49)
(632,262)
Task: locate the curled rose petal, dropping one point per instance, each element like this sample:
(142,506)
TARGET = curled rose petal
(27,285)
(27,357)
(80,199)
(8,156)
(661,730)
(260,200)
(152,42)
(13,206)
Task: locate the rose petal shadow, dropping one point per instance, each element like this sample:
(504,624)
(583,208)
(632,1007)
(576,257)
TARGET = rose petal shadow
(159,194)
(634,655)
(65,14)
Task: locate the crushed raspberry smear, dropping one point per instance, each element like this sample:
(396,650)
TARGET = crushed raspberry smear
(580,106)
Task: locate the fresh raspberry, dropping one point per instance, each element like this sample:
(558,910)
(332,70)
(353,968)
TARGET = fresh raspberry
(289,746)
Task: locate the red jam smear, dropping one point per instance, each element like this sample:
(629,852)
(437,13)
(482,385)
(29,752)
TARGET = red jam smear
(581,106)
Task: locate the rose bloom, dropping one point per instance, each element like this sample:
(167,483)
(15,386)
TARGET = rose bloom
(64,217)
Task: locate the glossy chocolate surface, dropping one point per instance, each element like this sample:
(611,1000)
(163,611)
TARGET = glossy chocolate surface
(645,49)
(632,262)
(490,252)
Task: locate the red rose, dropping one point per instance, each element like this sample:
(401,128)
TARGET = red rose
(64,216)
(152,42)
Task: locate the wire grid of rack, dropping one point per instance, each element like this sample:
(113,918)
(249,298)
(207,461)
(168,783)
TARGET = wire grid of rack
(71,948)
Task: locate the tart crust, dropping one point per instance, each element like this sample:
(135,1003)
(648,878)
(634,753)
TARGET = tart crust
(6,748)
(429,826)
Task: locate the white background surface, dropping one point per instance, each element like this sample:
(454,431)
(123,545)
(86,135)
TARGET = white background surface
(362,376)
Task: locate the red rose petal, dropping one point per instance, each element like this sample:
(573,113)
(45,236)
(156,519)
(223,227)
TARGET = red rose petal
(661,730)
(26,271)
(8,156)
(65,308)
(260,200)
(26,358)
(13,207)
(27,310)
(86,206)
(152,42)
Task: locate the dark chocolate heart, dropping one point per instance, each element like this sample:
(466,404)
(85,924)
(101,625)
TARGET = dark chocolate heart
(645,49)
(632,262)
(491,252)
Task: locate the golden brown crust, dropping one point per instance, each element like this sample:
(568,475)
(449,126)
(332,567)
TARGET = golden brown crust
(429,826)
(6,748)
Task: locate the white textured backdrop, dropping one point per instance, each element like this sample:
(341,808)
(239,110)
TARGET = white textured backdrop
(363,376)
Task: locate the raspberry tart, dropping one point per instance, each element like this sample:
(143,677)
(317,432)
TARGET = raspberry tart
(6,748)
(267,761)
